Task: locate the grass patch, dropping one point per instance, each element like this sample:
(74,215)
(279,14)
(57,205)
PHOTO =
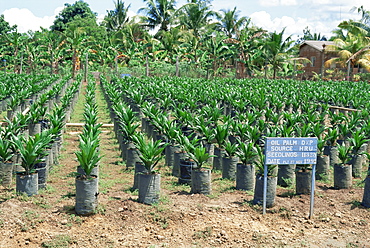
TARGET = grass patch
(176,187)
(106,184)
(132,191)
(358,183)
(58,241)
(222,185)
(203,234)
(41,202)
(69,195)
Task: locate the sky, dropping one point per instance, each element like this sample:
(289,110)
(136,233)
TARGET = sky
(320,16)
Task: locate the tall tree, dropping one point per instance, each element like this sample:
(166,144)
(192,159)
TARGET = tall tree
(76,40)
(52,44)
(14,41)
(79,9)
(249,49)
(277,50)
(159,13)
(352,50)
(5,27)
(116,19)
(365,14)
(216,51)
(196,16)
(307,35)
(230,23)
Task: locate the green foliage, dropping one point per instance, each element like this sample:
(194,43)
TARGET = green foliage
(332,137)
(88,156)
(320,146)
(150,152)
(200,156)
(32,150)
(246,152)
(208,133)
(344,153)
(117,18)
(221,133)
(79,9)
(5,26)
(231,149)
(5,149)
(260,164)
(357,140)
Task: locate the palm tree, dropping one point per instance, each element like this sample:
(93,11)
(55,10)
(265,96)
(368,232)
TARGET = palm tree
(116,19)
(196,16)
(365,14)
(230,23)
(159,13)
(277,50)
(353,48)
(172,40)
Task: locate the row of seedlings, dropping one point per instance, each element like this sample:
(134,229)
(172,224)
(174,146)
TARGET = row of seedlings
(258,121)
(29,156)
(88,156)
(22,90)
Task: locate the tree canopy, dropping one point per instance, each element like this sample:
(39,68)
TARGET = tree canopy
(194,35)
(71,12)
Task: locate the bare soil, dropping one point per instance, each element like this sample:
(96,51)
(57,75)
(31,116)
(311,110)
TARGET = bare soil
(224,219)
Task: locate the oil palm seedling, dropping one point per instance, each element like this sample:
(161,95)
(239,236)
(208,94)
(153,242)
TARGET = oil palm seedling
(322,162)
(245,170)
(31,150)
(200,176)
(229,161)
(88,157)
(343,169)
(6,163)
(331,139)
(271,180)
(359,143)
(150,155)
(221,133)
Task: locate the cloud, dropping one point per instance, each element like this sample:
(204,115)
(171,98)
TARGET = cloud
(293,26)
(263,19)
(26,20)
(274,3)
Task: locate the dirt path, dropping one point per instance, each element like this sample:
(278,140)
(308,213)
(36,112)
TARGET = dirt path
(225,219)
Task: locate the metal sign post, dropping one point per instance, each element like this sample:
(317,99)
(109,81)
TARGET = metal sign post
(290,151)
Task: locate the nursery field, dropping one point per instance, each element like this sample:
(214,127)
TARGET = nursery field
(227,217)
